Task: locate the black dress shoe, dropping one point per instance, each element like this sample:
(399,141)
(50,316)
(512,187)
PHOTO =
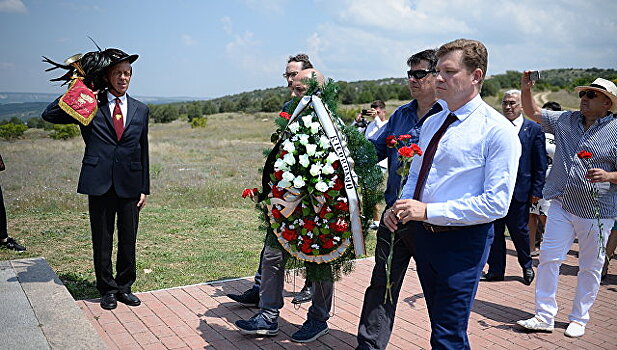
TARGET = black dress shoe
(128,298)
(303,296)
(250,297)
(491,277)
(528,276)
(108,301)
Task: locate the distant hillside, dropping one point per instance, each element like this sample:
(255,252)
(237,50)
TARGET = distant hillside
(25,105)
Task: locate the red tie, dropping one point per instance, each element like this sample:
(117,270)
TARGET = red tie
(118,119)
(429,154)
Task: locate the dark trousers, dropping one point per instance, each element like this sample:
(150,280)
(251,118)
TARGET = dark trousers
(103,211)
(449,267)
(516,221)
(3,225)
(377,318)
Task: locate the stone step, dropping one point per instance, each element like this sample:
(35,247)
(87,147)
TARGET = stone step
(38,312)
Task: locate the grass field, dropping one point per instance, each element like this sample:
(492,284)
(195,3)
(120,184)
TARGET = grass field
(195,227)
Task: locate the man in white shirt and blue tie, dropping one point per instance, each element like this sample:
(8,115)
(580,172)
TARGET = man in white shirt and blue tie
(456,189)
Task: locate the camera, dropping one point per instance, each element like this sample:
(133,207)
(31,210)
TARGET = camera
(362,123)
(364,112)
(534,75)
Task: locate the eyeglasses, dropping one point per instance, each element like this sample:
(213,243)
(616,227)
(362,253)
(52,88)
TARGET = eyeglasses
(420,73)
(589,93)
(288,75)
(509,103)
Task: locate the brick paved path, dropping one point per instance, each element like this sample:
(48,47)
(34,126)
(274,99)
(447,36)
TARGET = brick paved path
(201,316)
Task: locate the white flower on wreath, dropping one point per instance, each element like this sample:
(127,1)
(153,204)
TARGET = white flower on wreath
(332,157)
(288,176)
(336,238)
(304,160)
(310,234)
(289,146)
(311,149)
(304,139)
(321,186)
(294,127)
(299,182)
(294,138)
(315,246)
(279,164)
(327,169)
(284,184)
(315,169)
(289,159)
(307,120)
(319,154)
(315,126)
(324,141)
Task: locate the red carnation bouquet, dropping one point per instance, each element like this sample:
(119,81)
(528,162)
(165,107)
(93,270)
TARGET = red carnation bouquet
(406,151)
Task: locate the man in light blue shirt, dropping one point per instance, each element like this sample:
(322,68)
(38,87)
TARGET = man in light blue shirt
(456,189)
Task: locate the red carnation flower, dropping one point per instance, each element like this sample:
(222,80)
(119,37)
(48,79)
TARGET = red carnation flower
(278,175)
(406,152)
(342,206)
(309,225)
(416,149)
(404,137)
(336,164)
(324,210)
(339,227)
(249,192)
(283,153)
(328,244)
(285,115)
(391,141)
(289,235)
(584,154)
(306,248)
(338,184)
(276,213)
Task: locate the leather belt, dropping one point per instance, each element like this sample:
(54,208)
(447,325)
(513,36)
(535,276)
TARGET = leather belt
(439,229)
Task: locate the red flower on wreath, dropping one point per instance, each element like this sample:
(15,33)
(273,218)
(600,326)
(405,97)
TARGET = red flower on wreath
(309,225)
(278,175)
(336,164)
(289,235)
(324,210)
(342,206)
(338,184)
(339,227)
(391,141)
(285,115)
(276,213)
(282,154)
(306,245)
(584,154)
(404,137)
(328,244)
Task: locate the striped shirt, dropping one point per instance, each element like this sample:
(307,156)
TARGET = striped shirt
(567,178)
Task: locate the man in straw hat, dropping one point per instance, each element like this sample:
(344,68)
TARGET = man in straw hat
(582,187)
(114,175)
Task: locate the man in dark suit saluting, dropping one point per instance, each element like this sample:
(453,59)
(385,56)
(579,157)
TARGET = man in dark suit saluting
(114,175)
(528,190)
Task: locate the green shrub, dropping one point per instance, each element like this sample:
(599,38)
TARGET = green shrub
(199,122)
(64,132)
(12,131)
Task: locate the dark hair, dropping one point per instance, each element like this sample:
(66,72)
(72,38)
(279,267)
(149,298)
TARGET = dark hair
(552,106)
(426,55)
(474,52)
(378,104)
(302,58)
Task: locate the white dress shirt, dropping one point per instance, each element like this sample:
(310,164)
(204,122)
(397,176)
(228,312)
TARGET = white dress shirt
(473,174)
(112,104)
(518,123)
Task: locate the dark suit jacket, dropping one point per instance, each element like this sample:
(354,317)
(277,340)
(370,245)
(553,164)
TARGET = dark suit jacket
(532,164)
(108,162)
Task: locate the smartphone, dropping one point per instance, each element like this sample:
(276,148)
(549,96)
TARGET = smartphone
(534,75)
(364,112)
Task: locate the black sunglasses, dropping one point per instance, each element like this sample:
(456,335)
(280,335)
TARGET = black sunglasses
(589,93)
(419,73)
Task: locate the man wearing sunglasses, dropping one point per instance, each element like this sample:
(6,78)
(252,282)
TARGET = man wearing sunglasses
(377,318)
(575,211)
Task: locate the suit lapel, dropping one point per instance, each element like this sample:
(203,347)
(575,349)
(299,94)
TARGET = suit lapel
(131,108)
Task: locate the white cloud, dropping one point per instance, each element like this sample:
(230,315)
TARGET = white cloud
(16,6)
(227,25)
(188,40)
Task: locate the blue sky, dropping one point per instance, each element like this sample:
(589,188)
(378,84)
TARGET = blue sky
(213,48)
